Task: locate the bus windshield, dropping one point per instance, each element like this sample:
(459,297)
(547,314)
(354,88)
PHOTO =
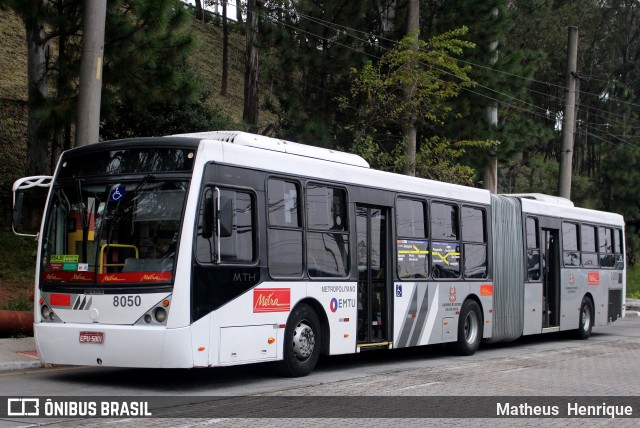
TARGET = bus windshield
(107,232)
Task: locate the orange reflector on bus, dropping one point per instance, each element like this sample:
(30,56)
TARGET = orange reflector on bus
(200,349)
(346,335)
(271,340)
(165,303)
(41,300)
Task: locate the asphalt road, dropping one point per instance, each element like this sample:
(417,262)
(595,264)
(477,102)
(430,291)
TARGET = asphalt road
(377,385)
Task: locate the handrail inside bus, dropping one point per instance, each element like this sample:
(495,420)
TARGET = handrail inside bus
(102,264)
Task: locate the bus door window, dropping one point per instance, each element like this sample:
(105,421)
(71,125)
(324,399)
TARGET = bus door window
(371,231)
(551,279)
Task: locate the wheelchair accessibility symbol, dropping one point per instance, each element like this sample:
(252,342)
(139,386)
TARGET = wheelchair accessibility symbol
(117,193)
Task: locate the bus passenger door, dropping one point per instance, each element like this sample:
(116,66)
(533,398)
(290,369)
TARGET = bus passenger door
(551,278)
(373,273)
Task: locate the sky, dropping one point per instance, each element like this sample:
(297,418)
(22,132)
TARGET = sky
(231,7)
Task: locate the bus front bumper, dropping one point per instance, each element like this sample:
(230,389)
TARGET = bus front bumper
(122,346)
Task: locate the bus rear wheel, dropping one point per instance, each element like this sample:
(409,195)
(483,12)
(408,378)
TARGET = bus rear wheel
(302,339)
(469,329)
(585,323)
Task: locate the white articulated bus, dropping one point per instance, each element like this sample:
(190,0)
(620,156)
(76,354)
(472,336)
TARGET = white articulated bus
(224,248)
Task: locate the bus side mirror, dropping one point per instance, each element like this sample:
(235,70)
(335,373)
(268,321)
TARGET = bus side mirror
(225,216)
(17,211)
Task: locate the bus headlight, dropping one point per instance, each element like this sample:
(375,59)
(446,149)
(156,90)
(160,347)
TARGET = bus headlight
(46,312)
(160,315)
(157,315)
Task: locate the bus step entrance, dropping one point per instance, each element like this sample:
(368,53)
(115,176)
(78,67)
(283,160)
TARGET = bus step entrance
(371,346)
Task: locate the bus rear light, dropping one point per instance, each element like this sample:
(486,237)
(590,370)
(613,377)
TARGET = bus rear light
(41,300)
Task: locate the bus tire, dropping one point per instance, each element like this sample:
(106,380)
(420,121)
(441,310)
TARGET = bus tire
(469,329)
(585,322)
(302,340)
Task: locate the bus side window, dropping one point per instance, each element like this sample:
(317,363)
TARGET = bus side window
(533,249)
(571,253)
(605,247)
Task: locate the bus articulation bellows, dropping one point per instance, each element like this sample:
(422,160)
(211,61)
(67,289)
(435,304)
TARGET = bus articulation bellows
(224,248)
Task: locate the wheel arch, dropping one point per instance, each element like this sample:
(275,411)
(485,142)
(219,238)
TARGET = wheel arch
(475,298)
(322,317)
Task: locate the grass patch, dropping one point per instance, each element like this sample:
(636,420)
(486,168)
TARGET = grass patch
(19,304)
(633,281)
(17,258)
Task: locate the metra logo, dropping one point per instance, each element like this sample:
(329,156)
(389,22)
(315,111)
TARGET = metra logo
(336,304)
(271,300)
(152,277)
(593,278)
(81,277)
(52,277)
(113,278)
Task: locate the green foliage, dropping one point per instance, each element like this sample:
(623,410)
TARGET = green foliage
(431,70)
(633,281)
(378,103)
(17,258)
(307,50)
(146,46)
(19,304)
(165,119)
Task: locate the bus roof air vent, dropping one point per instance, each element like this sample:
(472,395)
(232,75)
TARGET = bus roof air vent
(278,145)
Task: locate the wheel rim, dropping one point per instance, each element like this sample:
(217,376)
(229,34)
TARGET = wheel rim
(304,341)
(471,328)
(586,318)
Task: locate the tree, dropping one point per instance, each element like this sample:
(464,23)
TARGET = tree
(225,49)
(250,111)
(146,46)
(34,14)
(310,47)
(383,110)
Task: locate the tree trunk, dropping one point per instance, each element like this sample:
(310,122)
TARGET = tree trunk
(225,49)
(37,66)
(409,129)
(239,13)
(250,112)
(199,10)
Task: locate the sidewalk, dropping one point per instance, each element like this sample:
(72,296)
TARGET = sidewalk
(18,354)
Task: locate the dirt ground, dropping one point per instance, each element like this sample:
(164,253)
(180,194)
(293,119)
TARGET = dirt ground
(16,295)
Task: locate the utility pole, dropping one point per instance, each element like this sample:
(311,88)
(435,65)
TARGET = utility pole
(409,130)
(88,124)
(568,118)
(491,171)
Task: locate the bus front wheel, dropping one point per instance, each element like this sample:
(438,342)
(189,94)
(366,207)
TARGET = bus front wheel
(469,329)
(301,343)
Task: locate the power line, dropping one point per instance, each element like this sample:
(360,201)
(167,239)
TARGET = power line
(545,112)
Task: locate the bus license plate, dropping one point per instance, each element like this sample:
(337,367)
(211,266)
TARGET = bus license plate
(91,337)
